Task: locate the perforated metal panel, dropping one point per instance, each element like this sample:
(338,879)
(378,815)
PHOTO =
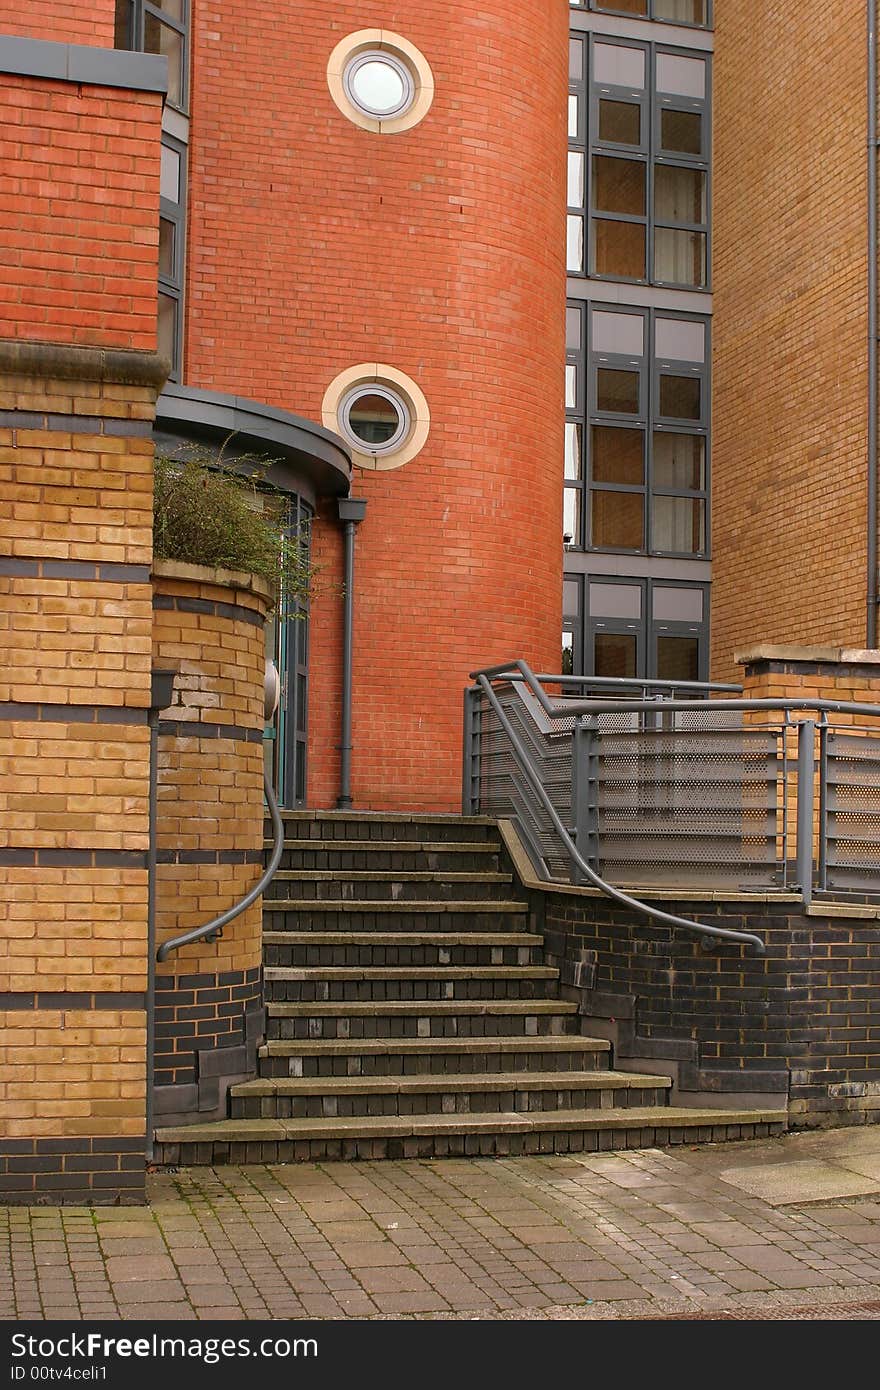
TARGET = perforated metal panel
(852,812)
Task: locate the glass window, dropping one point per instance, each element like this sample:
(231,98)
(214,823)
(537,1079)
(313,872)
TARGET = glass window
(374,418)
(618,520)
(678,658)
(573,450)
(618,455)
(575,245)
(619,185)
(620,122)
(571,516)
(166,247)
(681,132)
(616,601)
(685,77)
(679,194)
(576,178)
(379,84)
(679,461)
(677,525)
(619,66)
(617,391)
(680,340)
(679,257)
(619,249)
(620,333)
(682,11)
(615,654)
(680,397)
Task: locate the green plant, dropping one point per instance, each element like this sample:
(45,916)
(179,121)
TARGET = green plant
(207,513)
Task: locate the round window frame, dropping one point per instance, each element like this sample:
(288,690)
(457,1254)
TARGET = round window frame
(396,63)
(387,392)
(388,45)
(368,376)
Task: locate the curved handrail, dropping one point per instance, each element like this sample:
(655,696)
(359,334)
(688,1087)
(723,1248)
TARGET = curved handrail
(656,914)
(216,926)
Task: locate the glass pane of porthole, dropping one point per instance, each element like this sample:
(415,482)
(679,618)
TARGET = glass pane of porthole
(677,525)
(572,116)
(684,77)
(679,194)
(679,461)
(574,260)
(620,333)
(617,391)
(681,340)
(679,257)
(570,386)
(576,170)
(617,456)
(573,451)
(678,658)
(619,66)
(620,122)
(680,397)
(618,520)
(379,86)
(619,249)
(682,11)
(619,185)
(575,60)
(374,419)
(615,654)
(681,132)
(169,174)
(166,248)
(571,516)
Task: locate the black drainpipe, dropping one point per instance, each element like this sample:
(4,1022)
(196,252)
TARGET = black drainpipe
(351,514)
(871,632)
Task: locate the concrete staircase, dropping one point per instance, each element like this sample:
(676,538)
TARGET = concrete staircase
(410,1015)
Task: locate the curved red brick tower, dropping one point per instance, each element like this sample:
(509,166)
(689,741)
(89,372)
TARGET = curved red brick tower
(315,245)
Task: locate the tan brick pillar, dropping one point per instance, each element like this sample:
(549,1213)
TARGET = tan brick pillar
(208,626)
(75,654)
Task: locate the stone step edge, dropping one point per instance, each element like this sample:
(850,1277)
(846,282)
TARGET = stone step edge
(418,1008)
(389,876)
(504,1122)
(307,974)
(394,846)
(475,907)
(367,1047)
(317,1086)
(401,938)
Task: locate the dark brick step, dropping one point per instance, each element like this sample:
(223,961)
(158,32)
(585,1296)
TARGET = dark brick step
(400,948)
(454,1136)
(444,1095)
(403,855)
(433,1057)
(421,1019)
(352,984)
(381,825)
(416,916)
(319,885)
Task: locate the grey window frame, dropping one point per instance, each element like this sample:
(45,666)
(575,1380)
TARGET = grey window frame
(657,19)
(652,102)
(133,13)
(646,629)
(648,420)
(173,286)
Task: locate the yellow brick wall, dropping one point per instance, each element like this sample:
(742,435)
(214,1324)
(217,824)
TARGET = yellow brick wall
(790,329)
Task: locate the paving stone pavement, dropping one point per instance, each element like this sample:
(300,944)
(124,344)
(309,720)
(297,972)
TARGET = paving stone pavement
(635,1234)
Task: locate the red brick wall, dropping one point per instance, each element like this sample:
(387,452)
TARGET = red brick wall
(314,246)
(79,173)
(63,21)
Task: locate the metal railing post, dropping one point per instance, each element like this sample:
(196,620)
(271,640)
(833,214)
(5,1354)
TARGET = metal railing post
(806,805)
(585,794)
(823,805)
(470,757)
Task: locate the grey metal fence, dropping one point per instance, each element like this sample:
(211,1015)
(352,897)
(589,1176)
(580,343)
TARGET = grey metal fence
(665,787)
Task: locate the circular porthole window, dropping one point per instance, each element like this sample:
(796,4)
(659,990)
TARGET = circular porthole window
(379,84)
(380,412)
(375,418)
(380,81)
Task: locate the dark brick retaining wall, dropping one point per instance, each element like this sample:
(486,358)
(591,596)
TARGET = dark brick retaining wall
(208,1028)
(734,1021)
(99,1170)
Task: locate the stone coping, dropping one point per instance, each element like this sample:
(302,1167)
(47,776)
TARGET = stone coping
(847,656)
(68,362)
(221,578)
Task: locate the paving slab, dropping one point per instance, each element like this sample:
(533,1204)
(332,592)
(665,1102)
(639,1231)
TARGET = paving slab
(799,1181)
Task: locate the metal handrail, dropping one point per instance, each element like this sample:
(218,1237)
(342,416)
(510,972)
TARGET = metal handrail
(656,914)
(215,928)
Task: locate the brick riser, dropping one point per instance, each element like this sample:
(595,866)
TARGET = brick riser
(420,1010)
